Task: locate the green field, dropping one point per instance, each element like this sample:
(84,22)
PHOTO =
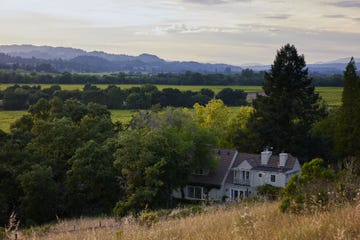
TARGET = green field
(8,117)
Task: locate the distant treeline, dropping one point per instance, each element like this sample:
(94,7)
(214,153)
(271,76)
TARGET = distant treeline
(247,77)
(21,97)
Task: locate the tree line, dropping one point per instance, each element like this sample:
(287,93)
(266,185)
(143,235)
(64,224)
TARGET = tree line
(247,77)
(20,97)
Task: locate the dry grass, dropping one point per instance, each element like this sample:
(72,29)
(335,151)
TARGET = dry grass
(258,221)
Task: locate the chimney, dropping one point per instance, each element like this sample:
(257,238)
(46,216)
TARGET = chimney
(282,159)
(265,156)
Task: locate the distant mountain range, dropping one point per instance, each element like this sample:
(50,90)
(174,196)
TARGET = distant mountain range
(76,60)
(61,59)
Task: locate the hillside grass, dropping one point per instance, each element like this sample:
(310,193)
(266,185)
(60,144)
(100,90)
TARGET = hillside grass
(239,221)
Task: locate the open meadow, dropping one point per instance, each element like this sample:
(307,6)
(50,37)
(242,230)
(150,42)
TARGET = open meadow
(236,221)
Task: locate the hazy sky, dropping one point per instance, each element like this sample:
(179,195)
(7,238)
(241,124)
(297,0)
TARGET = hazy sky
(229,31)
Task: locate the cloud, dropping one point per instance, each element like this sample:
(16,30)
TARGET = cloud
(335,16)
(348,4)
(213,2)
(278,16)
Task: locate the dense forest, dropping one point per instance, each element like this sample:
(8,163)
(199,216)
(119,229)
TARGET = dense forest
(21,97)
(65,158)
(247,77)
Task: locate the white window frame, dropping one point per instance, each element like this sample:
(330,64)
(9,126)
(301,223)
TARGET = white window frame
(240,194)
(194,192)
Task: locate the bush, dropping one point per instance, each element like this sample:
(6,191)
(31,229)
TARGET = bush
(269,192)
(188,211)
(148,218)
(313,190)
(121,209)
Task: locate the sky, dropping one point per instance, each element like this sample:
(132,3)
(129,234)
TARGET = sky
(216,31)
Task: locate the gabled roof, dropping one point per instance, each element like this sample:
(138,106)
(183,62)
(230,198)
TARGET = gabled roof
(255,161)
(230,158)
(216,177)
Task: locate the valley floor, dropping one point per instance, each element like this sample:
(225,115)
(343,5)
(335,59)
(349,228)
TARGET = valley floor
(241,221)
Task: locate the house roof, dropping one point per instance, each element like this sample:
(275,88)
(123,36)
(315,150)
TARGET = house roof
(216,177)
(230,158)
(255,162)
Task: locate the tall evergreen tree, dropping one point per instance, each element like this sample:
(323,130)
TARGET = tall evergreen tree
(347,140)
(283,117)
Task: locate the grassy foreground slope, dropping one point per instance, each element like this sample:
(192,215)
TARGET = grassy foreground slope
(255,221)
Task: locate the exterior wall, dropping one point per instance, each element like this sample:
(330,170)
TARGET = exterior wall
(280,179)
(244,189)
(215,194)
(176,193)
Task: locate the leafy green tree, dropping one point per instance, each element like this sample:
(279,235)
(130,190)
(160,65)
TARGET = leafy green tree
(282,119)
(158,155)
(323,134)
(90,182)
(40,194)
(41,109)
(16,99)
(214,116)
(348,129)
(115,97)
(232,97)
(238,130)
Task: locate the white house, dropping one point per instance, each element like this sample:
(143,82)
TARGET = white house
(239,174)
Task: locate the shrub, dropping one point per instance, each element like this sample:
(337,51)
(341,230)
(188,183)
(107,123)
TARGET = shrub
(269,192)
(312,190)
(188,211)
(121,209)
(148,218)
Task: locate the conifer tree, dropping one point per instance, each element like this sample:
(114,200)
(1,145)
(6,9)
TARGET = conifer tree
(283,117)
(347,140)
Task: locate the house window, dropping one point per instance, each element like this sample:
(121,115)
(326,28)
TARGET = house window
(260,175)
(194,192)
(242,177)
(236,195)
(273,178)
